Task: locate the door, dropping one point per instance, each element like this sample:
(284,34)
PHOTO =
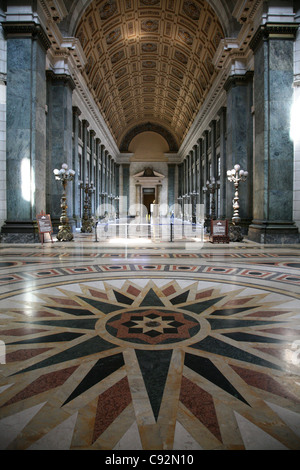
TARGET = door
(148,198)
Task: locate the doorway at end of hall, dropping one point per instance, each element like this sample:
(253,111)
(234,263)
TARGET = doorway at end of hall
(148,198)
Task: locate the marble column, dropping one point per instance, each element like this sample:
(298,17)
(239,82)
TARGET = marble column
(75,166)
(97,177)
(198,177)
(92,169)
(125,189)
(239,149)
(59,142)
(109,178)
(25,129)
(186,188)
(223,176)
(201,175)
(206,200)
(212,126)
(180,180)
(118,192)
(105,179)
(273,167)
(138,200)
(2,120)
(171,185)
(193,186)
(101,179)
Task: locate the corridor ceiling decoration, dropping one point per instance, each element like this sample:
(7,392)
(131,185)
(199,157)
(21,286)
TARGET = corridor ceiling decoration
(149,61)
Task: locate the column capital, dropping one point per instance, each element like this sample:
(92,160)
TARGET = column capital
(284,31)
(238,80)
(76,111)
(30,29)
(63,78)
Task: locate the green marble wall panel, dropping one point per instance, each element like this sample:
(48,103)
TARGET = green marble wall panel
(273,195)
(126,187)
(59,142)
(239,144)
(26,131)
(273,167)
(171,185)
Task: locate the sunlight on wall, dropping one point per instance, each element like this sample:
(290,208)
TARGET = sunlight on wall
(25,179)
(295,117)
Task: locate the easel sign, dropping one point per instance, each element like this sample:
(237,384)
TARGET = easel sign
(44,225)
(219,231)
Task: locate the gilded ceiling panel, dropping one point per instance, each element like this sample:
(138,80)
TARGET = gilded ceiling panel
(149,61)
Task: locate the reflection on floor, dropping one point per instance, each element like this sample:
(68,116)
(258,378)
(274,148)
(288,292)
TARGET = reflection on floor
(149,347)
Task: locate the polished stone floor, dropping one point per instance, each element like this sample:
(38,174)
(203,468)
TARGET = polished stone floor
(149,346)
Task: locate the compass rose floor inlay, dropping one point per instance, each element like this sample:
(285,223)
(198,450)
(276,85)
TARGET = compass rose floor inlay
(165,350)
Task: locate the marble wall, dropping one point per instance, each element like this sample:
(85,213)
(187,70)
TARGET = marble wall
(2,126)
(239,148)
(295,129)
(273,167)
(26,131)
(59,142)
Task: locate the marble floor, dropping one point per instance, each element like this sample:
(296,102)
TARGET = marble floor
(154,347)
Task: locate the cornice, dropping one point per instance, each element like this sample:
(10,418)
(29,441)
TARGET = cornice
(54,9)
(61,77)
(85,101)
(31,29)
(237,80)
(245,10)
(269,31)
(214,101)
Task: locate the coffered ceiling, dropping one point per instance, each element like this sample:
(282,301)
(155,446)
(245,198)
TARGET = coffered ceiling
(149,62)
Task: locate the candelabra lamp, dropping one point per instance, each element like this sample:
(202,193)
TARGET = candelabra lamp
(64,175)
(87,221)
(211,187)
(236,175)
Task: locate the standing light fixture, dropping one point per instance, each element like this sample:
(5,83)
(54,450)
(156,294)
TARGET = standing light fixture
(236,175)
(87,221)
(211,187)
(64,175)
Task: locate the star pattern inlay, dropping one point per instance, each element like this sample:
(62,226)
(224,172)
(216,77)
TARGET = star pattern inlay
(101,349)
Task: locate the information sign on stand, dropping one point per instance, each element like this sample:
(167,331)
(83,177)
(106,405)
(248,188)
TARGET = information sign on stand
(219,231)
(44,225)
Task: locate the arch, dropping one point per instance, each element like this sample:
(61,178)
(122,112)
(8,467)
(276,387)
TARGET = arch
(148,126)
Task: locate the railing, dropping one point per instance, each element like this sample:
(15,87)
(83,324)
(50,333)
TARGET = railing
(157,230)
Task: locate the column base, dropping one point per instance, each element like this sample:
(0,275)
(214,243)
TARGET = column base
(56,224)
(235,233)
(19,232)
(276,233)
